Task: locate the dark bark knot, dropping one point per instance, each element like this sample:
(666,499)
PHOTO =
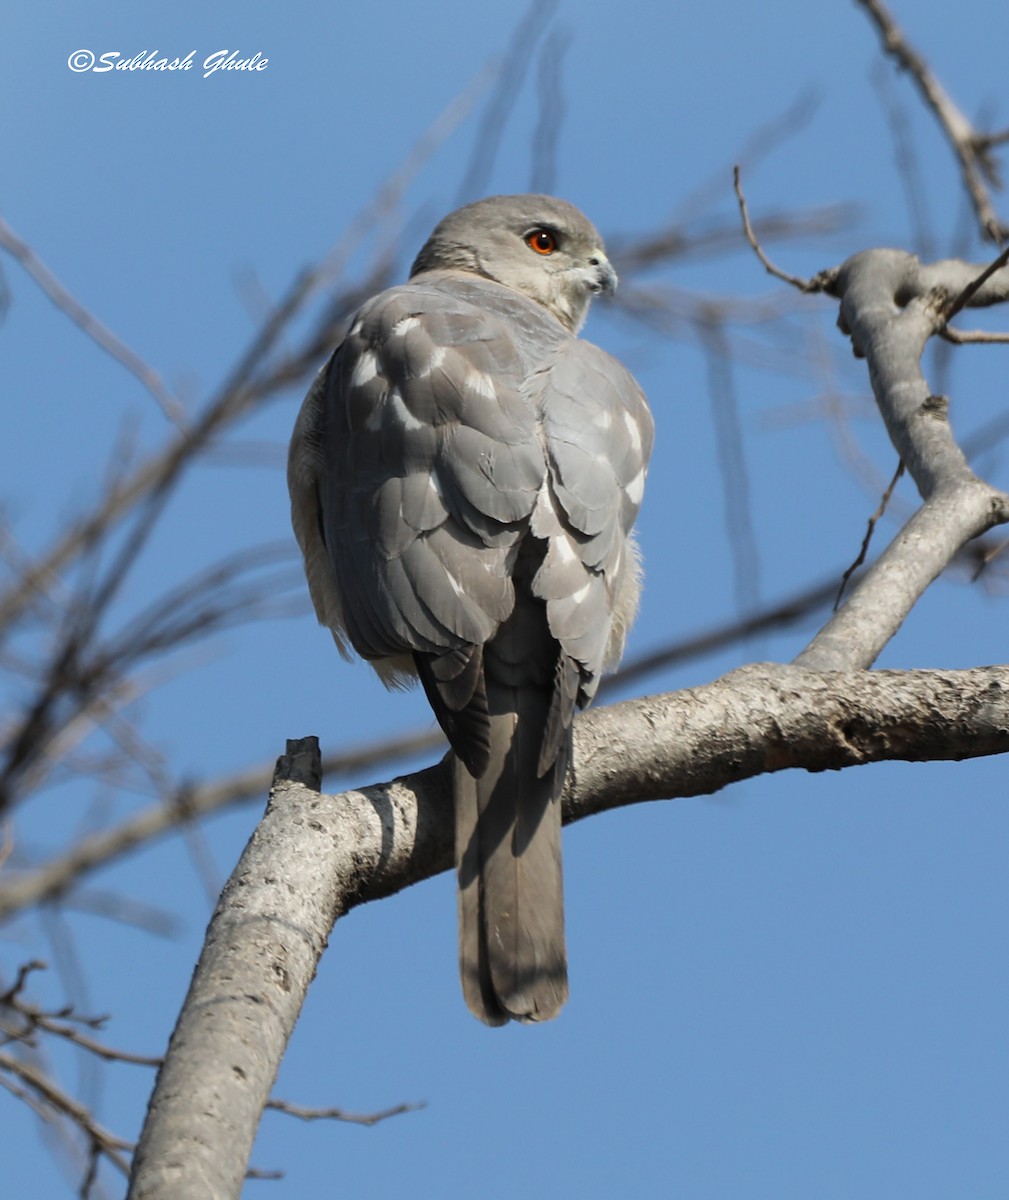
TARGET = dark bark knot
(865,740)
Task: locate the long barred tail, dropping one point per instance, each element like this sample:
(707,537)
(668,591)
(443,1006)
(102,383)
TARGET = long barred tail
(508,851)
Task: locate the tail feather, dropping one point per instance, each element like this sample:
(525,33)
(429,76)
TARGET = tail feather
(508,850)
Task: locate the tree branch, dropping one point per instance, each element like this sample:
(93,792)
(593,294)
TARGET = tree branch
(189,802)
(313,857)
(973,149)
(90,325)
(890,305)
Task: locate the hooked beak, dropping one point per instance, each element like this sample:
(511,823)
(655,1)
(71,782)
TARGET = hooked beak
(604,278)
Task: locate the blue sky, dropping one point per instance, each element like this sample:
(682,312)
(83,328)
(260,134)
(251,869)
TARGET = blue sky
(796,988)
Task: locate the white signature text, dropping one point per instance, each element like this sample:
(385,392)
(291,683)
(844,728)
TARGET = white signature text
(152,60)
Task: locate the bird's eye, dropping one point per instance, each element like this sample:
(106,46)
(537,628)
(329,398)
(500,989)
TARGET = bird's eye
(542,241)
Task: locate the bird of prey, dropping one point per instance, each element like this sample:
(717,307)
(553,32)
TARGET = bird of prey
(464,474)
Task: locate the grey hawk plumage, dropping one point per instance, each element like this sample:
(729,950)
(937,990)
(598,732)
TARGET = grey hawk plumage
(464,475)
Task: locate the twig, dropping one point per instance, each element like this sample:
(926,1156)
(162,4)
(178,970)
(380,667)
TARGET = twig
(546,135)
(732,463)
(971,290)
(10,996)
(715,236)
(873,520)
(341,1114)
(59,1025)
(817,284)
(973,337)
(510,76)
(90,324)
(242,388)
(906,162)
(55,1099)
(988,557)
(185,804)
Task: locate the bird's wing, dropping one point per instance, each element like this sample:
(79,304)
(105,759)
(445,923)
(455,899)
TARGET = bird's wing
(414,470)
(598,434)
(453,414)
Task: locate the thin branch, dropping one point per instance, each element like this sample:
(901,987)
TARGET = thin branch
(873,521)
(57,1100)
(717,235)
(90,325)
(780,615)
(757,146)
(187,803)
(341,1114)
(973,337)
(123,910)
(817,284)
(971,148)
(907,164)
(15,989)
(550,118)
(985,560)
(510,76)
(973,293)
(249,382)
(732,463)
(194,801)
(64,1024)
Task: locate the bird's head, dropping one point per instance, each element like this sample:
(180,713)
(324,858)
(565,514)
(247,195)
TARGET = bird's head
(538,245)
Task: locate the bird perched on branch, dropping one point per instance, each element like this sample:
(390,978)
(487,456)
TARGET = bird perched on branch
(464,475)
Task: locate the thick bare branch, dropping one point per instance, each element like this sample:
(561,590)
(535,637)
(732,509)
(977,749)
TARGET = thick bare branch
(890,305)
(252,1000)
(314,857)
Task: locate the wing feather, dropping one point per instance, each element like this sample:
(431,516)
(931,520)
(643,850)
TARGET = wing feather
(598,433)
(456,419)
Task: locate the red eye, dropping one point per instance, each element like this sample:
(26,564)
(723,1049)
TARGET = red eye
(542,241)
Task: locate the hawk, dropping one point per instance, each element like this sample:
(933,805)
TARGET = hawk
(464,475)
